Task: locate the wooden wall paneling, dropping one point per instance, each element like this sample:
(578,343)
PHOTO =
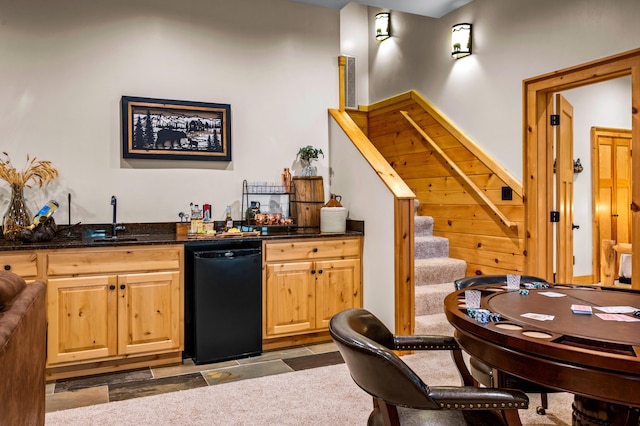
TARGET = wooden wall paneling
(431,178)
(478,212)
(361,118)
(512,262)
(479,269)
(493,243)
(475,227)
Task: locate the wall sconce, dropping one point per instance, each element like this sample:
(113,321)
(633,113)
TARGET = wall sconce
(461,40)
(383,31)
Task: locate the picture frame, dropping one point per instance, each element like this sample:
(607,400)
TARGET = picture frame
(175,130)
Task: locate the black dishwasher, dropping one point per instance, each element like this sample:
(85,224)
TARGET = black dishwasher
(223,300)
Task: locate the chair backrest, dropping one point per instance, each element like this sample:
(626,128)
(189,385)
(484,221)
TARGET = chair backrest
(492,279)
(364,341)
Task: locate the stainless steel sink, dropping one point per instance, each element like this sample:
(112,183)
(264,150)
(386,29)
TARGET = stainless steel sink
(113,239)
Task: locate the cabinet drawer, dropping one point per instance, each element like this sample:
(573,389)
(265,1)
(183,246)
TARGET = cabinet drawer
(23,264)
(99,261)
(312,249)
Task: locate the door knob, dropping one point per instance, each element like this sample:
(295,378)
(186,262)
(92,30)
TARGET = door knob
(574,226)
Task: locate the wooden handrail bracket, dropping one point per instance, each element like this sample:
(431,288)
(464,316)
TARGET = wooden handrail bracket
(460,173)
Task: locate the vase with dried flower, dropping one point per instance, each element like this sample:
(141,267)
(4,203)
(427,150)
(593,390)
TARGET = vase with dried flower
(18,216)
(306,155)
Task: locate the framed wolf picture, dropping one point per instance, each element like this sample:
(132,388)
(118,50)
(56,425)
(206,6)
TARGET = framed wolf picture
(175,130)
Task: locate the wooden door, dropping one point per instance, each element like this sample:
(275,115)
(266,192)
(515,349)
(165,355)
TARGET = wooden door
(81,319)
(289,298)
(337,288)
(149,314)
(564,191)
(611,179)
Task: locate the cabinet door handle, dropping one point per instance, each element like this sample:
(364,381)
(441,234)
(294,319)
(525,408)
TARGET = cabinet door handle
(315,249)
(313,271)
(7,267)
(320,271)
(122,286)
(112,287)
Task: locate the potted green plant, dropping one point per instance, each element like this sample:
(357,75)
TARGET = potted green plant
(306,155)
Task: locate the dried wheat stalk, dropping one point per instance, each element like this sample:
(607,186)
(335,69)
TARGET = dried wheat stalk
(39,172)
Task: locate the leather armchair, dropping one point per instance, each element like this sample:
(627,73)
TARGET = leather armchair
(22,351)
(399,394)
(484,374)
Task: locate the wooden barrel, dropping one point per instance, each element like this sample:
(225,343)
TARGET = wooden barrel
(307,201)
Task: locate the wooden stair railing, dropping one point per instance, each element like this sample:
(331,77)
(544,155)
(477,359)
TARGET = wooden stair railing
(460,173)
(404,252)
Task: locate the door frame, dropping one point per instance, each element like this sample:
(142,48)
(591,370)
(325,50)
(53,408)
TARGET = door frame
(538,153)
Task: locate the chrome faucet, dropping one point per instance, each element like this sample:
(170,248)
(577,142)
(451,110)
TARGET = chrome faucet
(116,227)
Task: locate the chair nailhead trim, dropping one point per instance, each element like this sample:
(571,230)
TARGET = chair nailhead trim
(483,406)
(429,347)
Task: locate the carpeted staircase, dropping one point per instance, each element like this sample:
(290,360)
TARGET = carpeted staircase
(435,272)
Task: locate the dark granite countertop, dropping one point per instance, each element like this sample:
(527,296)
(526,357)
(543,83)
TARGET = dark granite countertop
(82,236)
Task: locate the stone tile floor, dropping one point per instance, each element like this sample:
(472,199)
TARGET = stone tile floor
(98,389)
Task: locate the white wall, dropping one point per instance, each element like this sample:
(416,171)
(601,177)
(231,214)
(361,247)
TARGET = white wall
(354,32)
(66,64)
(367,198)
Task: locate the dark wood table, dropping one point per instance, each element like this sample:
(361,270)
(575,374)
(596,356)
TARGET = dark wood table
(596,360)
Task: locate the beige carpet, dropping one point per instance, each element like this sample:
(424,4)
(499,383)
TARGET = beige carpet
(321,396)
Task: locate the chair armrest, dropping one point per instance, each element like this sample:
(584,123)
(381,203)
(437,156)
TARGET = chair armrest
(425,343)
(475,398)
(436,343)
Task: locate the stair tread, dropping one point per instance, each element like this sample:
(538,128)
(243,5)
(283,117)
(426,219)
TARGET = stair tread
(437,260)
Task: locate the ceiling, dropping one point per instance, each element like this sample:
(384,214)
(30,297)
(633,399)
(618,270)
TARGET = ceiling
(431,8)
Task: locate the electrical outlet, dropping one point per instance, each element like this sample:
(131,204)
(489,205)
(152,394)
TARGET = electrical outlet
(507,193)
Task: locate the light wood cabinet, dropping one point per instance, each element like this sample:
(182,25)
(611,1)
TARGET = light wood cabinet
(308,281)
(113,306)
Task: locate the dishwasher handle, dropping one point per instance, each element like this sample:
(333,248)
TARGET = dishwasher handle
(228,253)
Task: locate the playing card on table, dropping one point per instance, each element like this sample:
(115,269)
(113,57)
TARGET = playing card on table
(552,294)
(617,317)
(539,317)
(581,309)
(617,309)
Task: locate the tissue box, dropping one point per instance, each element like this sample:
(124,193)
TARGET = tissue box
(333,220)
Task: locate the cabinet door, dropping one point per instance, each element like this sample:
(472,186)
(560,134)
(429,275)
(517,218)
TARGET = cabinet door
(289,295)
(149,312)
(82,318)
(338,288)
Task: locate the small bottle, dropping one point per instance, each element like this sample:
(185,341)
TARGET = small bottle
(228,220)
(286,180)
(196,219)
(44,213)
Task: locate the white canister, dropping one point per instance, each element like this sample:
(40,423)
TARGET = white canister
(333,220)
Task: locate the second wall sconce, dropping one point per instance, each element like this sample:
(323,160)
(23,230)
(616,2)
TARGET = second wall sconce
(461,40)
(382,26)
